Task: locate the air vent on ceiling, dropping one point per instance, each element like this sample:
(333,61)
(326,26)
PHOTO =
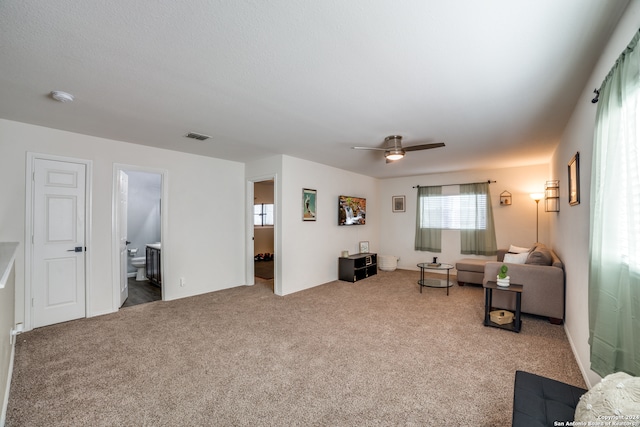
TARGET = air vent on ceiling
(198,136)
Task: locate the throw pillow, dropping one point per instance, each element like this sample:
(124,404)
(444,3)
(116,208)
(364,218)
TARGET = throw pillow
(541,255)
(518,249)
(516,258)
(611,399)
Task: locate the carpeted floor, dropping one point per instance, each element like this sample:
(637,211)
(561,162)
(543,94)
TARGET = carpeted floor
(375,352)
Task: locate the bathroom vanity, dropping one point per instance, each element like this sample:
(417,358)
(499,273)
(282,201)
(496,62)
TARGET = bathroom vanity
(154,272)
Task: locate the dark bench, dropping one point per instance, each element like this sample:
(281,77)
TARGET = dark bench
(540,401)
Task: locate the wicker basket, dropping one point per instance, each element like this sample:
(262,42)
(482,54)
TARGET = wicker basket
(501,317)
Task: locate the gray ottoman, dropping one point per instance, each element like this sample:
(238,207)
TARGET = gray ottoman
(470,270)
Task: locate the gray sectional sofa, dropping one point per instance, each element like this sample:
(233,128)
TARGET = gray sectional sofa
(542,278)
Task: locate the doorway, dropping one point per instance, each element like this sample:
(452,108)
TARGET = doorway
(262,232)
(263,223)
(139,222)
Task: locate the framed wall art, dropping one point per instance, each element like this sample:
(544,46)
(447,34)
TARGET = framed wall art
(574,180)
(309,203)
(397,203)
(363,247)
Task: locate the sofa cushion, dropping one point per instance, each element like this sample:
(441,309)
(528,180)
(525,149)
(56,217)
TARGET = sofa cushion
(518,250)
(540,255)
(471,264)
(540,401)
(520,258)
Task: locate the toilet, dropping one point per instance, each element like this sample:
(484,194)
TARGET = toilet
(139,263)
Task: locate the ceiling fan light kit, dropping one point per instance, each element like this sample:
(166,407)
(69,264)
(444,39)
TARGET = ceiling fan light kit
(393,148)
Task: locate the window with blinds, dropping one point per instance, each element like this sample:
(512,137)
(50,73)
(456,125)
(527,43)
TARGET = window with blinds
(454,212)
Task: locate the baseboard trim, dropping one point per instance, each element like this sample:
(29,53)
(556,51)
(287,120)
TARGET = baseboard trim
(585,377)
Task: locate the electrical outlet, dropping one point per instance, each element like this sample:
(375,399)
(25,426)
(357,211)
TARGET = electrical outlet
(182,282)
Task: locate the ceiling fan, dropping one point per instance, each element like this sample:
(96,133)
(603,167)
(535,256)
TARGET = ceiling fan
(393,149)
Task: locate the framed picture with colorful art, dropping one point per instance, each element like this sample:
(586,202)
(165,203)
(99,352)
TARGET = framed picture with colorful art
(309,201)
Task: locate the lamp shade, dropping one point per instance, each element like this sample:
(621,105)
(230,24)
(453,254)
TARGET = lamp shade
(536,196)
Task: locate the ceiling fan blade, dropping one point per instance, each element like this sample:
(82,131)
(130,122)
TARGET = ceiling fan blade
(368,148)
(424,146)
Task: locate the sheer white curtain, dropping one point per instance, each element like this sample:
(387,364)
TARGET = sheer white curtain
(614,268)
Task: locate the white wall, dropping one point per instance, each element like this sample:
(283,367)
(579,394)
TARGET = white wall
(515,224)
(311,248)
(571,227)
(205,235)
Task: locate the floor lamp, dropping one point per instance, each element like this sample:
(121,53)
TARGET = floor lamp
(537,197)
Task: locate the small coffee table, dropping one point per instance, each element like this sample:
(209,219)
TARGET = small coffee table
(488,297)
(432,283)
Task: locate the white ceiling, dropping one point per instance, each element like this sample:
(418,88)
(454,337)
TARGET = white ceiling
(496,80)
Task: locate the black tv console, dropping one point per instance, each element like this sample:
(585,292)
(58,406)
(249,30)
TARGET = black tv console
(357,267)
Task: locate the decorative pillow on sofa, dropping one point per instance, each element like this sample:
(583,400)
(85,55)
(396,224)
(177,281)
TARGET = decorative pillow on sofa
(518,250)
(516,258)
(540,255)
(611,399)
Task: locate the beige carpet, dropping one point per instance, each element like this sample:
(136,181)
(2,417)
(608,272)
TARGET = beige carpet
(375,352)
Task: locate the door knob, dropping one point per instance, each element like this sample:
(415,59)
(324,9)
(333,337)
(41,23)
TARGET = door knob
(127,242)
(76,249)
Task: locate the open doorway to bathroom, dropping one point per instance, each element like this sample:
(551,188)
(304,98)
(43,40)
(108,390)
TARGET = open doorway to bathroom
(263,232)
(139,234)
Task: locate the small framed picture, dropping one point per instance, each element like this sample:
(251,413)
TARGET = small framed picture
(308,204)
(364,247)
(397,203)
(574,180)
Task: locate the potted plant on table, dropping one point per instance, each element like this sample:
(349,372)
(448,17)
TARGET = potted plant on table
(503,279)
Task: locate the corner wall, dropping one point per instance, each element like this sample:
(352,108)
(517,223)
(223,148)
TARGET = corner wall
(307,252)
(311,248)
(204,239)
(570,229)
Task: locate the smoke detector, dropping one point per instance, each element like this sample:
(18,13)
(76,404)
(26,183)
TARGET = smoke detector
(61,96)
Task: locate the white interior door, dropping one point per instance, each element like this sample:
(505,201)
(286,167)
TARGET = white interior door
(58,264)
(123,200)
